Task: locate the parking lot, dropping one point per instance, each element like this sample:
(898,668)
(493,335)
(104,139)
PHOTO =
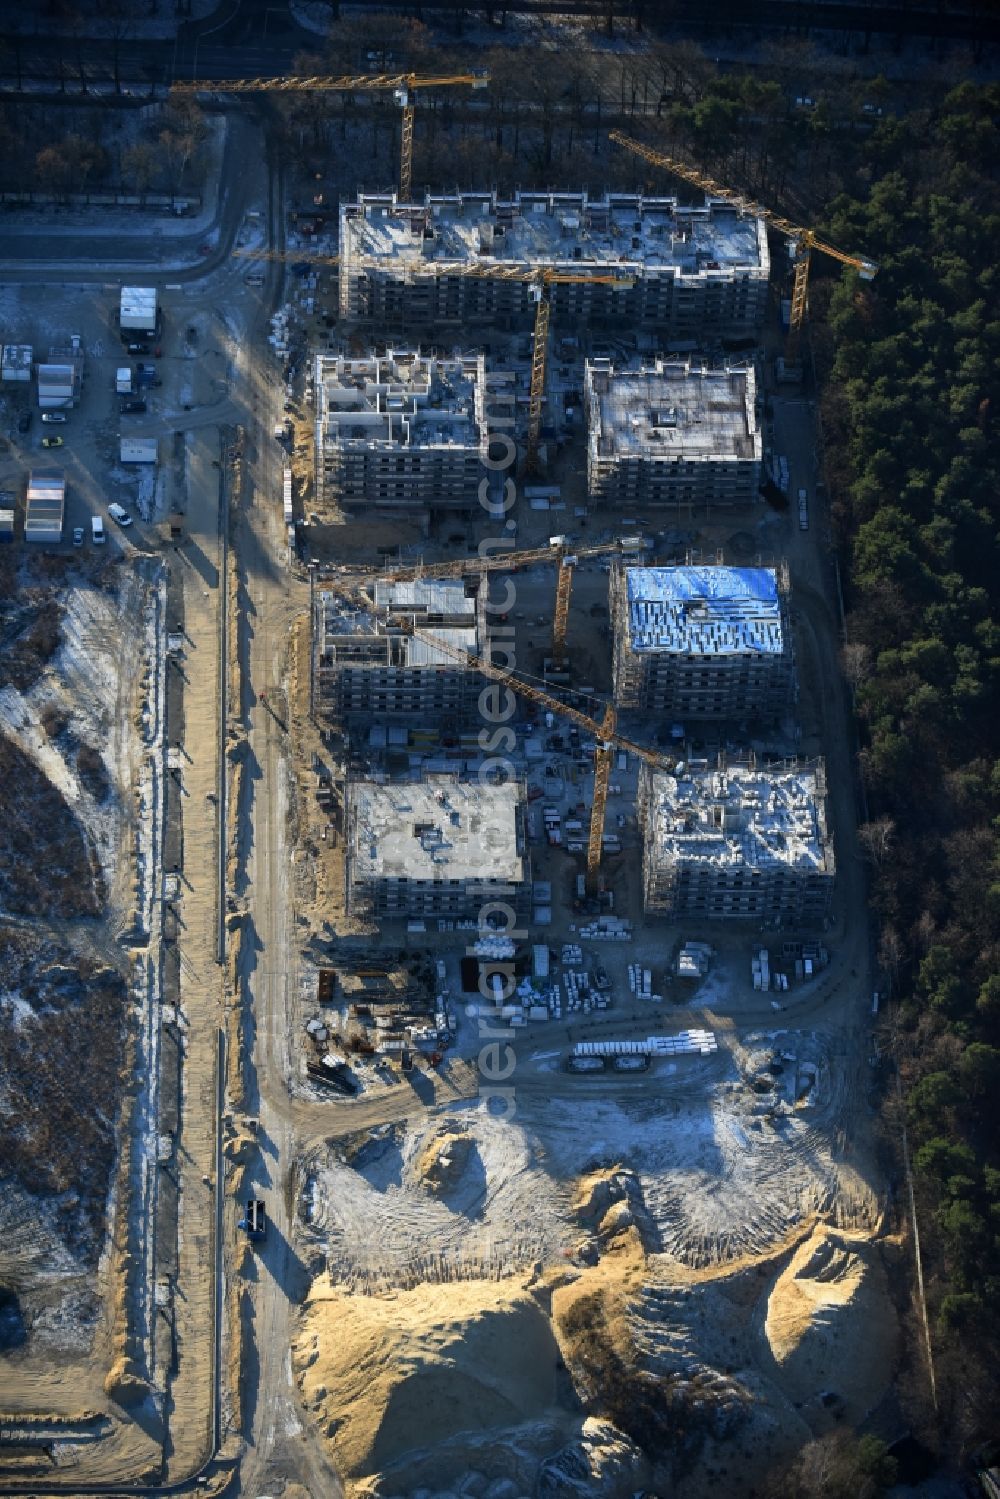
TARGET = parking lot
(184,385)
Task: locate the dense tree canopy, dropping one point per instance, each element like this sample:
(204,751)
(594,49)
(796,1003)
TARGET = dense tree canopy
(911,391)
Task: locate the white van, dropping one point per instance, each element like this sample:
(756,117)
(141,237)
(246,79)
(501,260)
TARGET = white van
(97,530)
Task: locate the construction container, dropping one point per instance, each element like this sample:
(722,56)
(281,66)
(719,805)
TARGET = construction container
(138,310)
(15,364)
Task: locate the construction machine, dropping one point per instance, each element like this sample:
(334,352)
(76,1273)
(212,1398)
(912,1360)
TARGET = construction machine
(403,86)
(805,241)
(606,736)
(559,550)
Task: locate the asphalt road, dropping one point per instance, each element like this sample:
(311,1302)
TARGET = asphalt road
(35,254)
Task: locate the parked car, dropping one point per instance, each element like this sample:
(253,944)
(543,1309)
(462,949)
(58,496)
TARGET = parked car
(78,536)
(52,442)
(53,416)
(133,405)
(137,348)
(24,421)
(120,514)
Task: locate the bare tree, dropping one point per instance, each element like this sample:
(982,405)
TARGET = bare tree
(139,165)
(856,662)
(891,952)
(876,839)
(52,169)
(117,16)
(925,931)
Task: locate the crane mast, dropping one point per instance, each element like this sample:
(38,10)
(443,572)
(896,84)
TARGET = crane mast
(805,240)
(558,550)
(536,393)
(401,84)
(606,736)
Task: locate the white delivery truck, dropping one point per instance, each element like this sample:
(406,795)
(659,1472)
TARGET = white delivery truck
(97,530)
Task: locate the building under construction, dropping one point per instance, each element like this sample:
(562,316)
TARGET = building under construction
(738,841)
(685,269)
(400,432)
(370,665)
(437,847)
(702,642)
(673,434)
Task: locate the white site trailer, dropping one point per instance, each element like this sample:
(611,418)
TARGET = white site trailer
(57,386)
(15,364)
(46,505)
(140,450)
(139,310)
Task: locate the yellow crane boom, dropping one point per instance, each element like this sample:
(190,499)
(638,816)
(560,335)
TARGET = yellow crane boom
(805,240)
(559,550)
(402,85)
(605,732)
(320,83)
(539,279)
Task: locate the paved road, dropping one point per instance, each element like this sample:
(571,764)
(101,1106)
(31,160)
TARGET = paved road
(87,258)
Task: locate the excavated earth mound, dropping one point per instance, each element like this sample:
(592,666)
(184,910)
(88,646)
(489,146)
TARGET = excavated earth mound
(387,1375)
(829,1317)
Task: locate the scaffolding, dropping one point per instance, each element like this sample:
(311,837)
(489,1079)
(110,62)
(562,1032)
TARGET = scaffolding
(738,841)
(370,666)
(400,431)
(693,267)
(673,433)
(702,642)
(436,847)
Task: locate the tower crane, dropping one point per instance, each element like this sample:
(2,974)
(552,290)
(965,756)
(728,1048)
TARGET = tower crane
(804,240)
(540,281)
(559,550)
(606,736)
(403,86)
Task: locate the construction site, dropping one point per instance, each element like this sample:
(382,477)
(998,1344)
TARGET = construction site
(702,642)
(642,262)
(438,848)
(673,435)
(569,772)
(400,432)
(372,666)
(738,841)
(499,1071)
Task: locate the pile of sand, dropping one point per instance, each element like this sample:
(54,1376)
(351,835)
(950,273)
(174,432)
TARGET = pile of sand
(829,1322)
(444,1159)
(389,1375)
(609,1204)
